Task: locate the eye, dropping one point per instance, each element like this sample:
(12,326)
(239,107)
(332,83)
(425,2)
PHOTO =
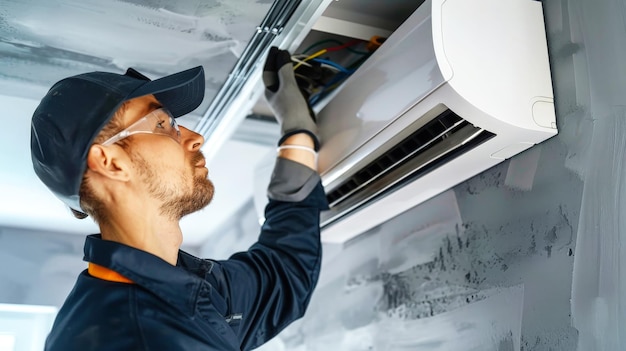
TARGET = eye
(161,125)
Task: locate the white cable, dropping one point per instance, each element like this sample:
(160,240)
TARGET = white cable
(300,61)
(332,68)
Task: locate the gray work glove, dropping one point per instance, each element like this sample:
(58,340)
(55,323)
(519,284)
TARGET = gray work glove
(285,98)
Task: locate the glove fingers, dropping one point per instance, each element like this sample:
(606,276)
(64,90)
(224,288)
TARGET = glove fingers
(270,79)
(276,60)
(283,57)
(270,61)
(287,77)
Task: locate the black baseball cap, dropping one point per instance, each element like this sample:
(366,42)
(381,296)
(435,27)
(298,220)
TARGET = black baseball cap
(75,109)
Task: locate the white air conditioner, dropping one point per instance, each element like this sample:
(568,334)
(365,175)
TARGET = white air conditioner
(460,86)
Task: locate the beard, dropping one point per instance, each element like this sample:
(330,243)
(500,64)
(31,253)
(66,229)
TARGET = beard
(198,198)
(178,199)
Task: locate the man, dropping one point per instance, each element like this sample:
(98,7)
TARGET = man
(108,145)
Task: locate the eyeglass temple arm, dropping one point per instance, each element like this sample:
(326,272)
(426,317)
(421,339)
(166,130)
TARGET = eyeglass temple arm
(116,138)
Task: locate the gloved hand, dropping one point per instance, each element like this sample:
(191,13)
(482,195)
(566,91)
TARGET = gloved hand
(284,97)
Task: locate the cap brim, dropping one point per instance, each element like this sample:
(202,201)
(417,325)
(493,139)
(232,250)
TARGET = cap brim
(181,92)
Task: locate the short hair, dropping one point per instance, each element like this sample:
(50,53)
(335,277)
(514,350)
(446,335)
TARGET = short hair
(89,202)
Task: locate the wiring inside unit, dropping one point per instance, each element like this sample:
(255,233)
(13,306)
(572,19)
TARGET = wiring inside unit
(320,68)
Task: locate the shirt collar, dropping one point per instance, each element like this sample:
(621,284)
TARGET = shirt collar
(106,274)
(149,271)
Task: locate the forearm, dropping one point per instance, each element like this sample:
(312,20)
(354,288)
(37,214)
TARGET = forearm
(304,157)
(295,173)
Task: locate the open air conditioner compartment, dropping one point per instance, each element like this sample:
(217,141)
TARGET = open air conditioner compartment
(483,62)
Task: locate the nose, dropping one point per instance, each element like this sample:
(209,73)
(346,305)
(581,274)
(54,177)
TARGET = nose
(190,140)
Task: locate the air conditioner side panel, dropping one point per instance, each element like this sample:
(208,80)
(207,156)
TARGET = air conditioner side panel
(497,53)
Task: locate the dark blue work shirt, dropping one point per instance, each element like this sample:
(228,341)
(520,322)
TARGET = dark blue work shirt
(234,304)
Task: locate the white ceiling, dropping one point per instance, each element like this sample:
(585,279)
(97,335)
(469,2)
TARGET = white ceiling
(43,41)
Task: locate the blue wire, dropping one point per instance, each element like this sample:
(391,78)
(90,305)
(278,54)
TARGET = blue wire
(314,99)
(337,78)
(331,63)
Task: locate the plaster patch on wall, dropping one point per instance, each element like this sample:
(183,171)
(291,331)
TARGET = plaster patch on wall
(522,168)
(404,249)
(491,324)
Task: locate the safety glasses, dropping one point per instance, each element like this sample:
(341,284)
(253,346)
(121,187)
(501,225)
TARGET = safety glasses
(159,121)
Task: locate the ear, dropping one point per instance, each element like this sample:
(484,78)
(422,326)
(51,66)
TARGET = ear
(109,161)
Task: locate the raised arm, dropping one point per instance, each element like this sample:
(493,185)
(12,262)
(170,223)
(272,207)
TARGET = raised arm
(270,285)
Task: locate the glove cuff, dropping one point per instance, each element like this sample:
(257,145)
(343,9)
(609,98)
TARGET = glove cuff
(316,142)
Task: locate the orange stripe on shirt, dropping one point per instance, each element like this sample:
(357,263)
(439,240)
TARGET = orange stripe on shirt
(107,274)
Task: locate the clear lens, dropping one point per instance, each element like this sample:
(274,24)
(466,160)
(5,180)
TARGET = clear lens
(165,123)
(158,121)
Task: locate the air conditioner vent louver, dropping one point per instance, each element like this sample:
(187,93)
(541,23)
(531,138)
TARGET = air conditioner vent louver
(440,140)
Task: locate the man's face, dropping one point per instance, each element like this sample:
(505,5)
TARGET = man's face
(173,173)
